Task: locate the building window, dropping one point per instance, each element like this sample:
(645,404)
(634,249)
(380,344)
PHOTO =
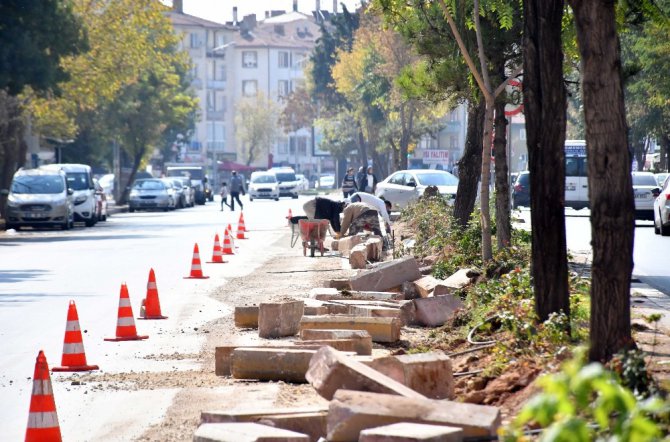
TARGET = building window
(211,101)
(283,59)
(453,142)
(249,59)
(196,42)
(216,135)
(194,71)
(282,89)
(282,146)
(216,70)
(302,145)
(219,40)
(249,88)
(220,102)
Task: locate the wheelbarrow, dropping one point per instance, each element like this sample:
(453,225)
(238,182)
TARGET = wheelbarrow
(313,233)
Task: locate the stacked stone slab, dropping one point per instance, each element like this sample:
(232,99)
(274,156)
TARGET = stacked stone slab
(360,339)
(381,329)
(409,432)
(278,319)
(307,420)
(330,370)
(433,311)
(425,285)
(351,412)
(457,281)
(245,432)
(246,316)
(358,256)
(271,364)
(427,373)
(387,275)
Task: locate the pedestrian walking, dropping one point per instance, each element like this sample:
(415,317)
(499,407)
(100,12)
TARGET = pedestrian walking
(349,185)
(236,187)
(224,195)
(360,179)
(370,182)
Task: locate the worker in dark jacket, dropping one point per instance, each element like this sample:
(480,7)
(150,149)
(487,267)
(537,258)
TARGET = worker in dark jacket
(324,208)
(349,185)
(236,187)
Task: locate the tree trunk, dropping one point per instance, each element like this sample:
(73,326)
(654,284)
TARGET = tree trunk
(544,102)
(362,148)
(469,166)
(503,224)
(485,213)
(665,147)
(12,147)
(610,184)
(137,160)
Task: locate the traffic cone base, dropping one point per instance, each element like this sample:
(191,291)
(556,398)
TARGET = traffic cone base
(42,416)
(74,357)
(152,305)
(241,229)
(125,325)
(227,244)
(217,255)
(196,268)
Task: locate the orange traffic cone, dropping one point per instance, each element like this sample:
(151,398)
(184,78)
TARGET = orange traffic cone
(42,416)
(217,256)
(290,215)
(232,237)
(240,227)
(125,325)
(74,357)
(152,306)
(227,244)
(196,268)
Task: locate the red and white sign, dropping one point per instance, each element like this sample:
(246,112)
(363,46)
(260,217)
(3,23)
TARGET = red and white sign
(436,157)
(514,91)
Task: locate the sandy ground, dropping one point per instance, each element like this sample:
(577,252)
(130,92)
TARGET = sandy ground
(285,274)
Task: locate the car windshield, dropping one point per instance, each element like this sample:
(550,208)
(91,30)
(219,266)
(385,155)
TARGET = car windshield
(38,184)
(194,174)
(644,180)
(285,176)
(264,179)
(177,184)
(149,185)
(437,179)
(77,180)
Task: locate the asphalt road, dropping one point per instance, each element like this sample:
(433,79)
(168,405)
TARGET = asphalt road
(41,271)
(649,251)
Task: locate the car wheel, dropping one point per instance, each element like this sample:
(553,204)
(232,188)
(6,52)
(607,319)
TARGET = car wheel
(251,199)
(295,197)
(131,210)
(10,226)
(276,199)
(664,231)
(90,222)
(104,217)
(656,229)
(65,225)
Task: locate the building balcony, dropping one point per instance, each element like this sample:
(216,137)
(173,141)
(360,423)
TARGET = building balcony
(216,84)
(453,126)
(216,146)
(196,83)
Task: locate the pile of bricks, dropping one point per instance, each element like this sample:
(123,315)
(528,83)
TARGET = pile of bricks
(404,398)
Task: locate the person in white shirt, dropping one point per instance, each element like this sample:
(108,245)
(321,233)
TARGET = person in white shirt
(382,206)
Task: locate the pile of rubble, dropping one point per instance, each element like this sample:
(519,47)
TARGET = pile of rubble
(405,397)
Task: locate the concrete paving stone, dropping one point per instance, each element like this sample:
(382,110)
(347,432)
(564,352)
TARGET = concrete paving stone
(374,245)
(316,333)
(381,329)
(246,316)
(427,373)
(349,242)
(430,312)
(323,293)
(278,319)
(358,256)
(351,412)
(372,311)
(457,281)
(306,420)
(358,346)
(339,284)
(331,370)
(410,432)
(387,275)
(425,285)
(245,432)
(271,364)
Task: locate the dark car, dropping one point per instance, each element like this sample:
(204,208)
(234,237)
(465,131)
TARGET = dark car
(521,190)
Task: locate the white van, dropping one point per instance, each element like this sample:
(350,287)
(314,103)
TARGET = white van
(576,176)
(288,182)
(80,180)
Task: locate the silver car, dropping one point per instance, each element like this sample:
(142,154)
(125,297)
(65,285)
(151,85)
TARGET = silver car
(151,194)
(644,187)
(40,198)
(405,186)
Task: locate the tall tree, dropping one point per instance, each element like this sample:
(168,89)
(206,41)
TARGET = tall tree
(256,122)
(610,183)
(545,109)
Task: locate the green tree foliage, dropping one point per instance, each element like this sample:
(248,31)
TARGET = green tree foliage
(256,122)
(34,36)
(339,133)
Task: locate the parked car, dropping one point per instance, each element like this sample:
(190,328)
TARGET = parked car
(80,180)
(189,191)
(151,194)
(178,189)
(405,186)
(100,201)
(40,198)
(662,210)
(288,182)
(660,178)
(304,182)
(521,190)
(263,185)
(645,189)
(107,183)
(327,182)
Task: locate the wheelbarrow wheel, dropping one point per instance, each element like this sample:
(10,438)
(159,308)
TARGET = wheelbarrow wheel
(312,247)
